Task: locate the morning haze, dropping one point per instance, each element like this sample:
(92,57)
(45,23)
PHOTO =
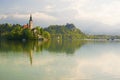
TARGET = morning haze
(91,16)
(59,40)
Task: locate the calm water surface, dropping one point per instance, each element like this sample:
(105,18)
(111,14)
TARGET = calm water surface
(59,60)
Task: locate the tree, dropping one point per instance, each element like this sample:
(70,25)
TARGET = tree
(46,35)
(68,31)
(27,34)
(16,32)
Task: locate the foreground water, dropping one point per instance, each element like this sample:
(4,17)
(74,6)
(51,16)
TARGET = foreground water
(59,60)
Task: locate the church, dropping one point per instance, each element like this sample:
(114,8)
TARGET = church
(30,25)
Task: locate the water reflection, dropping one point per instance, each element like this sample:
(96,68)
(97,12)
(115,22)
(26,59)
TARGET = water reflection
(67,47)
(31,47)
(53,60)
(18,46)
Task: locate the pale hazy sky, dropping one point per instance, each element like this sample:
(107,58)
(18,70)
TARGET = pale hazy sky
(91,16)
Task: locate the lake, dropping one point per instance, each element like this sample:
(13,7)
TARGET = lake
(60,60)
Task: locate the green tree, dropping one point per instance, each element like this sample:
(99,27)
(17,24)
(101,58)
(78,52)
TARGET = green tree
(46,35)
(27,34)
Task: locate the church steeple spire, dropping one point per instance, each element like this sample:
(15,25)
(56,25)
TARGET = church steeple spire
(30,17)
(30,22)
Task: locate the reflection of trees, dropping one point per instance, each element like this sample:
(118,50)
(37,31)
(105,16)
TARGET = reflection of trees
(59,46)
(30,47)
(19,46)
(65,46)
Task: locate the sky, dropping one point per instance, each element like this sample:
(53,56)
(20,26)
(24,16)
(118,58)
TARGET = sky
(91,16)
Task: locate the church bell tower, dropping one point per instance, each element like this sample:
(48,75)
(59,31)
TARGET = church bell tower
(30,22)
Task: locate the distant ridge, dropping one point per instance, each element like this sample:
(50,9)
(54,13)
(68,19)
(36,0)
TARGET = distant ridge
(68,31)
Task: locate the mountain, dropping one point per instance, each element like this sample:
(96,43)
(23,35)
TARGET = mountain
(68,31)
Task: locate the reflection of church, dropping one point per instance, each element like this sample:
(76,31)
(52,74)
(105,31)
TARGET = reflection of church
(30,25)
(31,57)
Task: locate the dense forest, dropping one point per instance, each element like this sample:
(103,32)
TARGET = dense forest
(68,31)
(17,32)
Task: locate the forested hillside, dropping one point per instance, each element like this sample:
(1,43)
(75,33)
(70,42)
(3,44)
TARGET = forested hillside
(68,31)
